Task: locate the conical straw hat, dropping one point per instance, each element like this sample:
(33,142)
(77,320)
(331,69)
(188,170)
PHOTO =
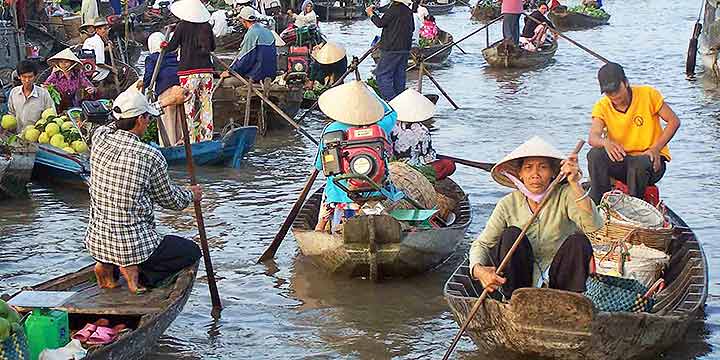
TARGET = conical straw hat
(88,23)
(66,54)
(535,147)
(352,103)
(329,53)
(190,10)
(412,106)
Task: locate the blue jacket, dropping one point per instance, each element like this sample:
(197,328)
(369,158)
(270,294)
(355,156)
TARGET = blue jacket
(258,55)
(167,77)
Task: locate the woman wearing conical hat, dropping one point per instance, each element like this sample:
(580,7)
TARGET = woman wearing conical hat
(411,139)
(329,65)
(350,105)
(194,36)
(554,250)
(69,79)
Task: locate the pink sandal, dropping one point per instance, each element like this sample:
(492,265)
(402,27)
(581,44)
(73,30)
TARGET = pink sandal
(85,333)
(105,335)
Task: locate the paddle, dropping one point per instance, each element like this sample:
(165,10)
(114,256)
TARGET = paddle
(214,295)
(424,71)
(480,165)
(558,33)
(693,46)
(509,255)
(114,68)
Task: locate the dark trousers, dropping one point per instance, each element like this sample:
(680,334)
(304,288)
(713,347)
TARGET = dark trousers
(568,270)
(390,73)
(635,171)
(172,255)
(511,27)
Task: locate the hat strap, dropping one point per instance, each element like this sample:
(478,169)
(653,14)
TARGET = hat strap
(523,189)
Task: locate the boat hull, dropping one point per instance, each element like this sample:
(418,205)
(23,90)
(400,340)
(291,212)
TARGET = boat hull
(484,13)
(498,55)
(440,9)
(575,21)
(227,151)
(16,171)
(438,60)
(328,12)
(57,166)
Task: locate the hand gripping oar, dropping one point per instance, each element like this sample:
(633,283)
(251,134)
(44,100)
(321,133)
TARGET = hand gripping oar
(480,165)
(151,91)
(558,33)
(212,285)
(509,255)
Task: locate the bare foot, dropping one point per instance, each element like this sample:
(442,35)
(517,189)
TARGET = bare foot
(104,275)
(132,275)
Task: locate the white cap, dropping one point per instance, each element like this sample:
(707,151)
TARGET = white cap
(247,13)
(408,3)
(131,103)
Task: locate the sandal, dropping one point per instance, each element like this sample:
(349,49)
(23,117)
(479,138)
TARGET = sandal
(102,336)
(83,334)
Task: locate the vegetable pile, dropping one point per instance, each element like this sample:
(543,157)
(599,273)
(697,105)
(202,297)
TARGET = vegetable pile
(590,11)
(9,321)
(489,4)
(57,131)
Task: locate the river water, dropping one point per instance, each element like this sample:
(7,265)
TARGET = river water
(291,309)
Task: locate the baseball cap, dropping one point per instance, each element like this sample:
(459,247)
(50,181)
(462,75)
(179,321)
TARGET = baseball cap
(610,76)
(248,13)
(132,103)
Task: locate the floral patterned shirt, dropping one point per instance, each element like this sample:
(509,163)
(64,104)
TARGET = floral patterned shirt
(69,83)
(412,143)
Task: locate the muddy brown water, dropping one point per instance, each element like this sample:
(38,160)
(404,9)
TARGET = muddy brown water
(292,310)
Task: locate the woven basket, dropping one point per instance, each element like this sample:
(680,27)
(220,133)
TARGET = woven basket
(15,347)
(632,219)
(637,262)
(414,184)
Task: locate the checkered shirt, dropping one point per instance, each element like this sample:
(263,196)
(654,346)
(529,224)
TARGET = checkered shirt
(127,177)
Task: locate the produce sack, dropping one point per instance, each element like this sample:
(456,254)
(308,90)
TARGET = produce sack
(629,261)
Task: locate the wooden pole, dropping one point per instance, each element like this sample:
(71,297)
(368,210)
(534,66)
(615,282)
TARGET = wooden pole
(476,164)
(558,33)
(214,295)
(114,68)
(508,256)
(442,91)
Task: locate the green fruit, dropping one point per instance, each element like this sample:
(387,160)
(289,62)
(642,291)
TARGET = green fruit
(52,129)
(4,309)
(5,328)
(68,125)
(59,121)
(57,140)
(32,135)
(47,113)
(13,317)
(79,146)
(68,149)
(9,122)
(44,138)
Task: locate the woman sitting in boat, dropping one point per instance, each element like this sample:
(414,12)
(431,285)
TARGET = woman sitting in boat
(330,64)
(411,139)
(69,79)
(554,252)
(307,17)
(534,33)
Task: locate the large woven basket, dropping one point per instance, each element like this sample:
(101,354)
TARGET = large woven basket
(15,347)
(632,219)
(414,184)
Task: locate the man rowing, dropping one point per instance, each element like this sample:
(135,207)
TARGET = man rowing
(554,251)
(635,149)
(258,55)
(128,178)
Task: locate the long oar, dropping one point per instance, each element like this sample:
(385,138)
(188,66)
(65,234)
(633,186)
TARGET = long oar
(581,46)
(476,164)
(691,60)
(214,295)
(114,69)
(151,91)
(454,43)
(509,255)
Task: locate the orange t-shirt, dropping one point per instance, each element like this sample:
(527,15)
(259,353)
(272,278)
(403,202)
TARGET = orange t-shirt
(639,127)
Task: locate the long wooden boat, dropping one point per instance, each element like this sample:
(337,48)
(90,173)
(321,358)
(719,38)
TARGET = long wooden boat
(230,99)
(57,166)
(127,75)
(563,325)
(570,20)
(148,315)
(505,55)
(435,8)
(227,150)
(327,11)
(16,168)
(385,251)
(440,59)
(484,13)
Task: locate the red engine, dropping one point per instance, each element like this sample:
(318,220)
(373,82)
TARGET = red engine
(360,151)
(298,65)
(87,58)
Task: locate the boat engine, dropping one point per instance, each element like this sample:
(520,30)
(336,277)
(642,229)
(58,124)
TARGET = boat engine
(298,65)
(87,58)
(360,151)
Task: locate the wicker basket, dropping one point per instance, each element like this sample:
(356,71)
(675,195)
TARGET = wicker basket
(638,262)
(414,184)
(632,219)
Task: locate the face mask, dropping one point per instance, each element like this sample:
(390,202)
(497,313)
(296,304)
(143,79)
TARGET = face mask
(523,189)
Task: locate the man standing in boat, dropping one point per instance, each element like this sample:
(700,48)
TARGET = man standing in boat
(98,44)
(397,26)
(511,11)
(127,178)
(635,149)
(258,55)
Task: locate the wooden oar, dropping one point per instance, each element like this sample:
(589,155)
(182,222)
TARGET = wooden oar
(691,60)
(476,164)
(214,295)
(509,255)
(114,68)
(558,33)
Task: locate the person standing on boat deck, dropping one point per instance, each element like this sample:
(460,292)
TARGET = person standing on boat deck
(366,109)
(98,44)
(411,139)
(194,36)
(511,11)
(307,17)
(395,42)
(258,54)
(127,178)
(635,149)
(27,101)
(554,250)
(166,78)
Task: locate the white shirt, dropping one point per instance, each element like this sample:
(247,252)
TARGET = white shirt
(97,44)
(306,19)
(27,110)
(218,20)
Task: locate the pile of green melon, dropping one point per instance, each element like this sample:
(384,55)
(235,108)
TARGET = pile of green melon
(9,321)
(57,131)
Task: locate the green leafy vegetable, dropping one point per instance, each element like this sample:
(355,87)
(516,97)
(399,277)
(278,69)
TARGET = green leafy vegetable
(590,11)
(54,94)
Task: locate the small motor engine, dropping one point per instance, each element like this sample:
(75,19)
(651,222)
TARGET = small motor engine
(87,58)
(298,65)
(360,151)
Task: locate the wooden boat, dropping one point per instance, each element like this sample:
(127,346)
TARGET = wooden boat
(485,13)
(228,150)
(569,20)
(127,75)
(16,168)
(148,315)
(230,98)
(57,166)
(440,59)
(327,11)
(386,251)
(229,42)
(507,55)
(559,324)
(436,8)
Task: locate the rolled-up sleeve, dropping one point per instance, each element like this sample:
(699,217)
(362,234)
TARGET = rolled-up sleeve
(586,222)
(480,248)
(164,192)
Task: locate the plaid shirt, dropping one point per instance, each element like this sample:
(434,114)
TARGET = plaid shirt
(127,177)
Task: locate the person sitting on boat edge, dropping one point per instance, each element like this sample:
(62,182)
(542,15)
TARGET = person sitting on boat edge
(554,250)
(258,54)
(166,78)
(411,139)
(27,101)
(350,105)
(330,64)
(69,79)
(307,16)
(127,178)
(98,44)
(635,150)
(534,33)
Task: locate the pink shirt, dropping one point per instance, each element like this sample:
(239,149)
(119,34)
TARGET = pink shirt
(512,6)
